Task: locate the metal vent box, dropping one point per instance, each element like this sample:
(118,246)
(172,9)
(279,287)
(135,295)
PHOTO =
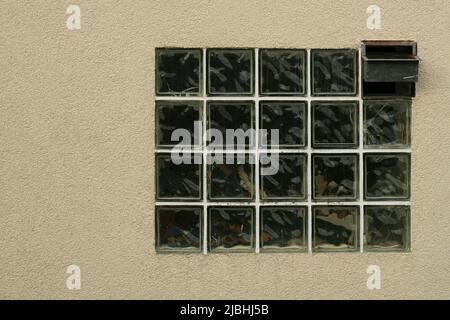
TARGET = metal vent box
(390,61)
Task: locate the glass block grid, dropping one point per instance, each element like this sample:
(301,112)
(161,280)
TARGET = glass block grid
(344,178)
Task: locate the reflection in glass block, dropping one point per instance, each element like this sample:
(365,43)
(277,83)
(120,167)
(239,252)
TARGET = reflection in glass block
(335,124)
(230,177)
(178,229)
(334,71)
(179,72)
(387,123)
(335,228)
(172,115)
(335,176)
(283,228)
(230,71)
(177,181)
(289,118)
(290,180)
(233,115)
(231,229)
(282,72)
(387,176)
(387,228)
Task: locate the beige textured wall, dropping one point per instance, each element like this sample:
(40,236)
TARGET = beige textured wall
(76,149)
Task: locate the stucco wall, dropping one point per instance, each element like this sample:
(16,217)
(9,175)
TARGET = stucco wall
(77,136)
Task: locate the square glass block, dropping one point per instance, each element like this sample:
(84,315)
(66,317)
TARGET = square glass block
(290,180)
(335,176)
(335,228)
(283,229)
(387,123)
(387,176)
(231,229)
(230,176)
(179,72)
(231,116)
(178,229)
(289,118)
(178,181)
(334,72)
(387,228)
(173,115)
(230,71)
(282,72)
(335,124)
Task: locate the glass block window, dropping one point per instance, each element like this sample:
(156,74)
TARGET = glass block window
(231,229)
(387,228)
(283,229)
(179,228)
(282,72)
(233,180)
(290,180)
(335,176)
(335,124)
(275,150)
(387,175)
(230,72)
(179,72)
(334,72)
(387,123)
(230,115)
(335,228)
(289,118)
(171,115)
(177,181)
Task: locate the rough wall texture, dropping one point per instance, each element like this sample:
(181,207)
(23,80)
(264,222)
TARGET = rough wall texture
(76,149)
